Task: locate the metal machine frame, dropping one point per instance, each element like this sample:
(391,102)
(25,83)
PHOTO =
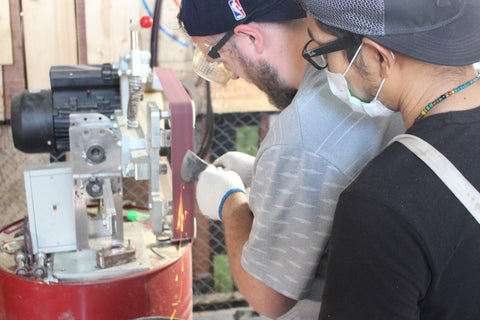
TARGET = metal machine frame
(78,243)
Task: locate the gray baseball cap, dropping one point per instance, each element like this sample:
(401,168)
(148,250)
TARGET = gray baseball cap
(442,32)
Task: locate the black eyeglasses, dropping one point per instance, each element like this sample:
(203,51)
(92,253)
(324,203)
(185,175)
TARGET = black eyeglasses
(213,52)
(317,55)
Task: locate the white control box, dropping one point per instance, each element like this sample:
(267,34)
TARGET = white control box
(50,207)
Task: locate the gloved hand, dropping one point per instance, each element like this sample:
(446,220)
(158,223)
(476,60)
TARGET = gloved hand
(213,187)
(239,162)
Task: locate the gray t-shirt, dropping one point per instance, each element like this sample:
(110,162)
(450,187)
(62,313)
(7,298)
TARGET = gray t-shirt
(315,148)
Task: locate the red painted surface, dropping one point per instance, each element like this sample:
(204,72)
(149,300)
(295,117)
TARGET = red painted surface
(163,291)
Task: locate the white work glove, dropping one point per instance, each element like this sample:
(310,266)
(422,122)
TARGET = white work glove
(239,162)
(213,187)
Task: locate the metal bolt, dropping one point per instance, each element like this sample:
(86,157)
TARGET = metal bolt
(20,261)
(95,188)
(39,271)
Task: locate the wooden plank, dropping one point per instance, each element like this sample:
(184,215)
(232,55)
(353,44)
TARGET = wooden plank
(239,96)
(174,45)
(172,41)
(6,50)
(107,25)
(50,38)
(2,104)
(108,35)
(14,75)
(81,32)
(147,8)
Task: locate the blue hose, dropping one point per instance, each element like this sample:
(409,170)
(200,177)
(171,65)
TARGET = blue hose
(180,42)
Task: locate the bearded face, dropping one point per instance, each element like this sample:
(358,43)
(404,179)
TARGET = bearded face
(267,79)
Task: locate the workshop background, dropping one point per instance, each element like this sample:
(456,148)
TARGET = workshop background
(37,34)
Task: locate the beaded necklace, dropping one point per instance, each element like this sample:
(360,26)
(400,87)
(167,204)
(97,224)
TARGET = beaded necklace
(445,96)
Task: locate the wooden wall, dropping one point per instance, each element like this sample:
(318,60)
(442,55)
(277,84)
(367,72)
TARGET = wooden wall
(6,54)
(36,34)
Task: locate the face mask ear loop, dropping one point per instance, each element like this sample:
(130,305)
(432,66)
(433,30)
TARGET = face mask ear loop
(383,81)
(379,88)
(353,59)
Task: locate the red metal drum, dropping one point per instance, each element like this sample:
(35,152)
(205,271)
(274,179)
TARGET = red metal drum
(165,290)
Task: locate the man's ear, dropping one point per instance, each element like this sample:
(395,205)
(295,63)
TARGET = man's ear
(386,57)
(252,35)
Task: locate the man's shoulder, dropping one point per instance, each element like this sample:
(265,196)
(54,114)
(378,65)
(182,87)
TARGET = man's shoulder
(312,75)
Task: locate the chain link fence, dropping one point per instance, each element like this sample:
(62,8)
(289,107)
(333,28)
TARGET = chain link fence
(213,286)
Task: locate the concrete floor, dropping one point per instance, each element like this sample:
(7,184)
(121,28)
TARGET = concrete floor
(245,313)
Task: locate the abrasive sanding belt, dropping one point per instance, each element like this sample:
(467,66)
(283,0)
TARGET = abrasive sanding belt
(182,140)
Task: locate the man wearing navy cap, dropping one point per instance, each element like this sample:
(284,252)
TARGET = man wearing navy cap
(276,236)
(281,77)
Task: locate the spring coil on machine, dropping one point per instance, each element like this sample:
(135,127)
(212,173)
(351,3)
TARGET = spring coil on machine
(135,91)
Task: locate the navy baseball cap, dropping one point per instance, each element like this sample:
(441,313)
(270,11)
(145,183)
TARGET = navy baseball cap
(209,17)
(442,32)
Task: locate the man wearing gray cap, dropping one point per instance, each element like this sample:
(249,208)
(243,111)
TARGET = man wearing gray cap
(406,235)
(317,145)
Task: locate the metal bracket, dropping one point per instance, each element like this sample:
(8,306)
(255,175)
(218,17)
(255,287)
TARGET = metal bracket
(115,256)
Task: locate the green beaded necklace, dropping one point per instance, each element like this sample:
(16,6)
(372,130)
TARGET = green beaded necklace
(445,96)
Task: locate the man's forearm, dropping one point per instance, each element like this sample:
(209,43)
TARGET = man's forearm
(237,223)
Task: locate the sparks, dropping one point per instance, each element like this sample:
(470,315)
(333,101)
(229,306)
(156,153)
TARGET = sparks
(182,214)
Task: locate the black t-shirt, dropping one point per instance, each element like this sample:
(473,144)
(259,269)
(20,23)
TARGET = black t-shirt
(403,246)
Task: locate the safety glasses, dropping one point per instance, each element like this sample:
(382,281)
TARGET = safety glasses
(216,71)
(213,71)
(317,55)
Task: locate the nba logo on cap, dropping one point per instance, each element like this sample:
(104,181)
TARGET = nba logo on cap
(237,9)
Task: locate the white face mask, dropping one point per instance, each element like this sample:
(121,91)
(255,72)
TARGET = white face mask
(339,87)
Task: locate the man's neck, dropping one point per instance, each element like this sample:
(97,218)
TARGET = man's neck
(435,92)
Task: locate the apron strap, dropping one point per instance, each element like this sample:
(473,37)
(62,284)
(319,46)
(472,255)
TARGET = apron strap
(445,170)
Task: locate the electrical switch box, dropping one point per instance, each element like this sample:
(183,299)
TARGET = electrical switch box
(50,207)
